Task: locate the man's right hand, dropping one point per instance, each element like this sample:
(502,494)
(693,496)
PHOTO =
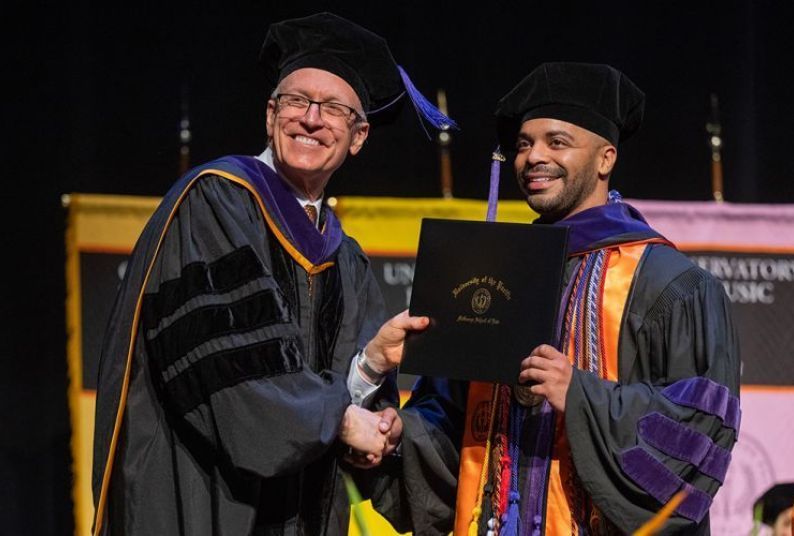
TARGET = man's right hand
(390,425)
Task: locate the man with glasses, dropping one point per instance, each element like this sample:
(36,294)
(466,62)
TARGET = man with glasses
(237,360)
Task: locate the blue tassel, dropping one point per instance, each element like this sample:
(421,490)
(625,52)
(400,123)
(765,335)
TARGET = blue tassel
(493,191)
(512,523)
(424,108)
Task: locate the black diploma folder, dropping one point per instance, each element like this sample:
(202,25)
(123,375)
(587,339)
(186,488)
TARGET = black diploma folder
(491,290)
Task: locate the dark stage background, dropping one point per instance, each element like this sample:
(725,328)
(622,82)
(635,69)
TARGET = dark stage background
(95,107)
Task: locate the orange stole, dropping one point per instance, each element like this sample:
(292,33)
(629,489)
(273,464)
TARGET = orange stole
(622,265)
(479,418)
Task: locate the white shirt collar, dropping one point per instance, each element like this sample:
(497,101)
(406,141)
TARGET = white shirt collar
(267,158)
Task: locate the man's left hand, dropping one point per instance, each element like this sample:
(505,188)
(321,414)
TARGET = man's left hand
(392,425)
(550,371)
(385,351)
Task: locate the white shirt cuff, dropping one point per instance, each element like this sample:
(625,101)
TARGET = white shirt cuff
(360,389)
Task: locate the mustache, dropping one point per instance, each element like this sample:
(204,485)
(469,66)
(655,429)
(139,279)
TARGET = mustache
(551,171)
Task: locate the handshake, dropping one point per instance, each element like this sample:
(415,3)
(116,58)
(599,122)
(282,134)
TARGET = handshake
(373,435)
(370,435)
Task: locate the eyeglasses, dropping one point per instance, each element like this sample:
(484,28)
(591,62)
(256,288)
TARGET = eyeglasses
(297,105)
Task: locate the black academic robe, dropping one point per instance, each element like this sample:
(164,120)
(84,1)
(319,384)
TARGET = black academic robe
(676,326)
(237,377)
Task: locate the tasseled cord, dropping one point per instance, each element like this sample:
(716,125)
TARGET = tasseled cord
(512,522)
(476,512)
(493,191)
(424,108)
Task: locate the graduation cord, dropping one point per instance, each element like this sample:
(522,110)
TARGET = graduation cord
(584,319)
(502,459)
(477,510)
(593,308)
(581,506)
(602,352)
(507,437)
(512,520)
(579,304)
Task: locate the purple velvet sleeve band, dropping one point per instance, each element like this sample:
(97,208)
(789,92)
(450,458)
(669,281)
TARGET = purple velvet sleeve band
(650,474)
(707,396)
(661,483)
(715,464)
(696,504)
(678,441)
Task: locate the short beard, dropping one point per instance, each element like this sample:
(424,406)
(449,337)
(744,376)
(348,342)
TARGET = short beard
(575,190)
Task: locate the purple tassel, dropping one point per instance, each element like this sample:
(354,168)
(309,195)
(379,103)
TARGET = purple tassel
(511,525)
(493,192)
(424,107)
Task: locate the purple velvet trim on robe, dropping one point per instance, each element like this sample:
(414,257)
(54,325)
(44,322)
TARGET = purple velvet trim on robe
(707,396)
(716,462)
(650,474)
(661,483)
(673,438)
(591,226)
(678,441)
(318,247)
(695,505)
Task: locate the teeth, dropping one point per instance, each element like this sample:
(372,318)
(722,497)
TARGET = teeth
(540,179)
(307,141)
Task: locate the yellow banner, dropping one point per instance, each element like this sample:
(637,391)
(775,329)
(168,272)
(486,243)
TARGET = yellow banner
(389,225)
(96,224)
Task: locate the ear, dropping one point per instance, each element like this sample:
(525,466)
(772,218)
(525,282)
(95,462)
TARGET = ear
(270,120)
(360,133)
(607,156)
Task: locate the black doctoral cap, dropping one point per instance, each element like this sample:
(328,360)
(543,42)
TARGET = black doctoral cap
(775,500)
(596,97)
(358,56)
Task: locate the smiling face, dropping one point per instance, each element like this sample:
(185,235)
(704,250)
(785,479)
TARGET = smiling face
(309,146)
(561,168)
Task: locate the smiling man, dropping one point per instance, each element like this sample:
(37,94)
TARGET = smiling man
(558,165)
(637,396)
(314,119)
(244,345)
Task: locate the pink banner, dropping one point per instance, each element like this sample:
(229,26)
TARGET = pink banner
(707,223)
